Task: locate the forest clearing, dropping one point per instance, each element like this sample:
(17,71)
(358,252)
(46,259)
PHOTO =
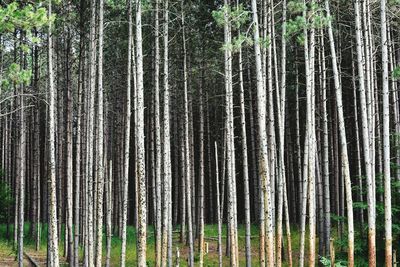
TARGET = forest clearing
(199,133)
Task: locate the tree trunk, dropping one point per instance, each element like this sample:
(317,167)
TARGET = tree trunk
(141,175)
(366,140)
(187,149)
(167,182)
(219,219)
(263,153)
(127,131)
(343,144)
(201,171)
(386,138)
(158,195)
(53,260)
(100,144)
(245,163)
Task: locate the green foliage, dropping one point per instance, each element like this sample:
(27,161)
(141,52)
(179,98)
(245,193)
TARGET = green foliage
(295,25)
(361,244)
(146,6)
(265,42)
(237,16)
(314,17)
(15,75)
(320,21)
(395,140)
(6,200)
(327,262)
(296,6)
(396,72)
(27,18)
(13,16)
(241,40)
(360,205)
(337,218)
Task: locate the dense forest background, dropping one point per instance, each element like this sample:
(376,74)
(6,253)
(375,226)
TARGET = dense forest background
(216,133)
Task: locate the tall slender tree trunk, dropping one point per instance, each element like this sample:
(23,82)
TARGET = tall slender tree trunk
(309,156)
(187,149)
(310,81)
(386,137)
(281,103)
(219,219)
(366,140)
(90,136)
(325,151)
(109,205)
(79,135)
(127,132)
(245,163)
(141,175)
(343,142)
(22,172)
(183,183)
(201,170)
(263,153)
(157,137)
(167,182)
(69,160)
(100,144)
(52,216)
(231,178)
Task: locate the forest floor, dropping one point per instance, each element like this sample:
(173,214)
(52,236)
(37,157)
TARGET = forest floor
(8,253)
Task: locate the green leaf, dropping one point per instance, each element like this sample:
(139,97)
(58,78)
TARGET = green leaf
(396,72)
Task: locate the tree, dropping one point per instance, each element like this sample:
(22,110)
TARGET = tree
(53,259)
(167,183)
(366,140)
(219,219)
(187,148)
(100,144)
(141,175)
(157,137)
(386,137)
(245,162)
(343,142)
(263,154)
(231,177)
(127,131)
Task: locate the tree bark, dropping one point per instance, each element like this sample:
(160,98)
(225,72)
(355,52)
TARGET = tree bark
(343,143)
(386,137)
(141,175)
(53,260)
(366,140)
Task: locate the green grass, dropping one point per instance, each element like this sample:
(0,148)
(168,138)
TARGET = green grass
(210,259)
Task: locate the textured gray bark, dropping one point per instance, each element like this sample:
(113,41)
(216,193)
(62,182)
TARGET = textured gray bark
(140,157)
(201,170)
(245,162)
(100,143)
(263,153)
(187,150)
(167,177)
(127,132)
(386,137)
(53,260)
(219,219)
(366,138)
(157,134)
(90,137)
(343,144)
